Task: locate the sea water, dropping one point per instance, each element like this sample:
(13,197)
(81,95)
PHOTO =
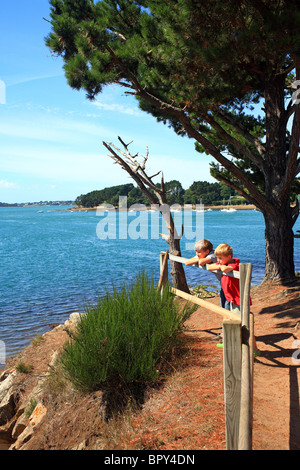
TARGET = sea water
(56,261)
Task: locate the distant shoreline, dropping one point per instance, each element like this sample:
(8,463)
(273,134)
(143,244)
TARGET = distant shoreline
(213,208)
(35,204)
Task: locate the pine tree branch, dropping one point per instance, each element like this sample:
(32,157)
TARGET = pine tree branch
(181,115)
(262,9)
(295,212)
(290,110)
(234,142)
(229,183)
(229,165)
(140,91)
(242,131)
(292,166)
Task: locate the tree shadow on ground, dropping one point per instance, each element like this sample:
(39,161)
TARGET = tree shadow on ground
(289,310)
(274,358)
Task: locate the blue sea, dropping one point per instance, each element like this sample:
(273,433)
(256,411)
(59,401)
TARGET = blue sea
(54,262)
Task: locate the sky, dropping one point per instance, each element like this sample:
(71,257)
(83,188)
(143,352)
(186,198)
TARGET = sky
(51,136)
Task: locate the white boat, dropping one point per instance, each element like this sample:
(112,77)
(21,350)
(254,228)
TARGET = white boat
(229,208)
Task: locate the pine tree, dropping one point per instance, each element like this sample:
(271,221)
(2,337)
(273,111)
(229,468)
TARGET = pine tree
(201,67)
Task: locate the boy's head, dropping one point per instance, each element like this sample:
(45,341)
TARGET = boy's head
(203,248)
(224,253)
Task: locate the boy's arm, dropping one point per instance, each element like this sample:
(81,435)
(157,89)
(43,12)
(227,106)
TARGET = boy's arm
(192,261)
(213,267)
(226,269)
(196,260)
(204,261)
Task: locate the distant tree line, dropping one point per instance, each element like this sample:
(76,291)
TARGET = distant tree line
(199,191)
(4,204)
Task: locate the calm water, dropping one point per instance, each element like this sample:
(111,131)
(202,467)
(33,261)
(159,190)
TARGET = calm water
(53,263)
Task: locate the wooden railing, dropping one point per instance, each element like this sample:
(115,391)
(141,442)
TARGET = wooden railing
(238,342)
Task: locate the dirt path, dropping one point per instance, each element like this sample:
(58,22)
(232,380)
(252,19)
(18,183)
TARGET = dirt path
(276,416)
(277,371)
(186,409)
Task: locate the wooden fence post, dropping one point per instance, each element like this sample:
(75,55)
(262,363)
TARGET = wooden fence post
(232,359)
(251,349)
(245,432)
(163,269)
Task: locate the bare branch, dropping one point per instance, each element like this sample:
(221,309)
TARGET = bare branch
(165,237)
(123,39)
(131,172)
(139,175)
(153,176)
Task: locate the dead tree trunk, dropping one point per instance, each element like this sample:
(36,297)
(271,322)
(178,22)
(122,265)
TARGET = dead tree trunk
(158,196)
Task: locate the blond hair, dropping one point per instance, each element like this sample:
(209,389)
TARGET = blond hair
(223,249)
(203,245)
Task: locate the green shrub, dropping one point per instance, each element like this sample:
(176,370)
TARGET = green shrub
(24,368)
(29,410)
(125,336)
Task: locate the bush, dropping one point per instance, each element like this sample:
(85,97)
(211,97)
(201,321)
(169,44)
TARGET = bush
(24,368)
(125,336)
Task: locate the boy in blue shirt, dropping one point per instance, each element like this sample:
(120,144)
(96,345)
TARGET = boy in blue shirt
(205,255)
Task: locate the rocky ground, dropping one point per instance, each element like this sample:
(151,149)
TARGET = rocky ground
(184,410)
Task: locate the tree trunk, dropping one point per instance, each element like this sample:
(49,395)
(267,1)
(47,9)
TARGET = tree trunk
(177,271)
(279,238)
(279,235)
(173,240)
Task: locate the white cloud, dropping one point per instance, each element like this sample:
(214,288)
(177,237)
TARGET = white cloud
(20,80)
(50,128)
(60,165)
(7,185)
(119,108)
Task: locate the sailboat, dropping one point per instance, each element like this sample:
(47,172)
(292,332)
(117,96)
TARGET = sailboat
(200,207)
(229,208)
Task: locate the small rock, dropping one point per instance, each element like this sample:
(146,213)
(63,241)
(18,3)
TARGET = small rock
(7,406)
(35,419)
(19,427)
(81,446)
(74,318)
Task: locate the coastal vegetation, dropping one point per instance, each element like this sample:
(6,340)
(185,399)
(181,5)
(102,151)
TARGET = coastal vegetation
(208,193)
(125,338)
(37,203)
(225,74)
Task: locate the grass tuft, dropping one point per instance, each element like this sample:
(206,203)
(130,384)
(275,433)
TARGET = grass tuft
(125,337)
